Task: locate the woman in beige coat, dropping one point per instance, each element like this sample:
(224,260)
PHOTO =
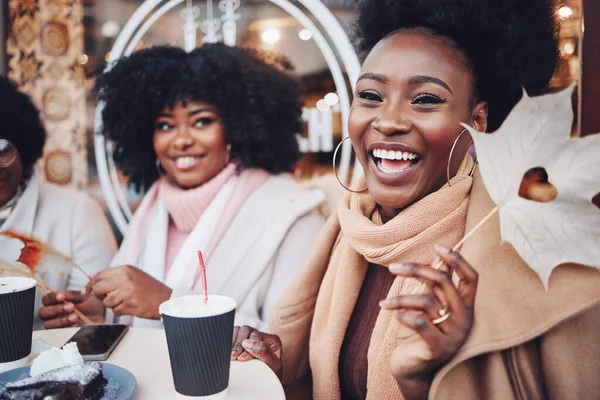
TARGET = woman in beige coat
(491,332)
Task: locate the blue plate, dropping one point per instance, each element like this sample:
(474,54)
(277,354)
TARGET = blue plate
(121,383)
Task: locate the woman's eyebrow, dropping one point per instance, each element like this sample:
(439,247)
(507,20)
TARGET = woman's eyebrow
(375,77)
(198,111)
(420,79)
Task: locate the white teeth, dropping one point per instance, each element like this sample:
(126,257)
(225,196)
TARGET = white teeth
(183,162)
(394,155)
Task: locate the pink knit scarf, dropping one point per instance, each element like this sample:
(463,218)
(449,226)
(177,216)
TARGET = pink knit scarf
(185,207)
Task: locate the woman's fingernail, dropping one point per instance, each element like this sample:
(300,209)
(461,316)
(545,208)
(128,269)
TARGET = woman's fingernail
(68,307)
(248,344)
(441,249)
(73,318)
(84,291)
(60,297)
(383,303)
(400,268)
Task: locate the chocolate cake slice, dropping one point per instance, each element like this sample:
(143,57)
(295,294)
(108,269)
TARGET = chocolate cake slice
(74,382)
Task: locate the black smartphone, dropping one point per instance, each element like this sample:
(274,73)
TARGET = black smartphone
(97,342)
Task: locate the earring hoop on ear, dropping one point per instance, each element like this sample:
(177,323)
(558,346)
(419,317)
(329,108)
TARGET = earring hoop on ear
(159,167)
(450,158)
(228,156)
(335,170)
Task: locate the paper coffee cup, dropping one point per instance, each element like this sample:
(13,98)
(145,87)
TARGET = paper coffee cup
(199,340)
(17,297)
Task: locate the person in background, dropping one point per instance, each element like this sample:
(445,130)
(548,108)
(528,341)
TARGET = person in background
(210,135)
(356,323)
(67,219)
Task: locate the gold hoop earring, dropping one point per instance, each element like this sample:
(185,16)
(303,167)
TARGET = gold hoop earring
(335,171)
(159,168)
(228,157)
(450,158)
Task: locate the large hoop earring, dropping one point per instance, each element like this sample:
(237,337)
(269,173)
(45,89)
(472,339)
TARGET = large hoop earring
(228,157)
(450,158)
(159,167)
(335,170)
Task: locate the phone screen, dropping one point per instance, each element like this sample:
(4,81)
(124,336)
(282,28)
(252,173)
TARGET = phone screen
(97,339)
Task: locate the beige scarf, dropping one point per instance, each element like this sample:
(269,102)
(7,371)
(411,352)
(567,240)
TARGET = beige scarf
(343,258)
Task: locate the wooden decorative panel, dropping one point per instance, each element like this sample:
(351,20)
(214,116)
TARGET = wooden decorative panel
(44,46)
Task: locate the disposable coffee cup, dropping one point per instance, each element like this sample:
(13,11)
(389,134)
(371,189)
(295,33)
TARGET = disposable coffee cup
(199,341)
(17,297)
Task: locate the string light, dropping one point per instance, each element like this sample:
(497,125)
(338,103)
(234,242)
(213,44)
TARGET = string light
(271,36)
(322,105)
(568,48)
(305,34)
(332,99)
(110,29)
(565,12)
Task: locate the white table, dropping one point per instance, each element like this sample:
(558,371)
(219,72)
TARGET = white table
(144,353)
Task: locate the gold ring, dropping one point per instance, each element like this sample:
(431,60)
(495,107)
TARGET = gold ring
(444,315)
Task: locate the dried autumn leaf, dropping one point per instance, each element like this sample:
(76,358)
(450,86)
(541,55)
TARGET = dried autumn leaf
(536,134)
(15,268)
(38,256)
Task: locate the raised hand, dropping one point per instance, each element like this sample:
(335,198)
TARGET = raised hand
(416,358)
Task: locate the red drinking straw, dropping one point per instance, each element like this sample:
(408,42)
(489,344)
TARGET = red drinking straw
(203,272)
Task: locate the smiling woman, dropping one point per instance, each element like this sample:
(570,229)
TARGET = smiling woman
(209,135)
(190,143)
(411,96)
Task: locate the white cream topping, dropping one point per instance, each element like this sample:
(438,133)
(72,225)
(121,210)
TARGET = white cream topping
(56,358)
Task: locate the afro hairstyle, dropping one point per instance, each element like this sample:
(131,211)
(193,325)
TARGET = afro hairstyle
(508,44)
(259,105)
(21,124)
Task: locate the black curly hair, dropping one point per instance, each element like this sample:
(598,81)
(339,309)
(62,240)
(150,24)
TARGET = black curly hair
(259,105)
(21,124)
(508,44)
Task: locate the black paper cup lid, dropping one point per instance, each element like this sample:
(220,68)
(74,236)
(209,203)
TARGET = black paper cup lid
(193,306)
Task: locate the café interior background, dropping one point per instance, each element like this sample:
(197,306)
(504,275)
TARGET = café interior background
(54,49)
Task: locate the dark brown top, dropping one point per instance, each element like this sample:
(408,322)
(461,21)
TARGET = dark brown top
(353,355)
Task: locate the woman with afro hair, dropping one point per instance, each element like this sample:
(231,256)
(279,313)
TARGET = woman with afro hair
(65,218)
(355,323)
(209,135)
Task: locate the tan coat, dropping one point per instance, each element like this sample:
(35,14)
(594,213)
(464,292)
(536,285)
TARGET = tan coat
(525,343)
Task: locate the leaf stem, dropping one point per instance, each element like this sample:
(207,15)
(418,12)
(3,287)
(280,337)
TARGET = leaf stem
(470,233)
(47,288)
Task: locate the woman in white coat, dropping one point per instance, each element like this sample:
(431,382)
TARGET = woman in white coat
(67,219)
(209,135)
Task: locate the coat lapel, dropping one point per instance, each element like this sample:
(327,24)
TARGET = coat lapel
(153,255)
(22,218)
(256,233)
(512,306)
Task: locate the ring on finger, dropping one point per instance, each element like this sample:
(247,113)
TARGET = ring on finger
(444,315)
